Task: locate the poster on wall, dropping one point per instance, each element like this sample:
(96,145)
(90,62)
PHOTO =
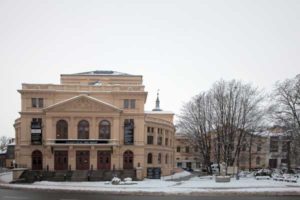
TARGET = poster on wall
(128,131)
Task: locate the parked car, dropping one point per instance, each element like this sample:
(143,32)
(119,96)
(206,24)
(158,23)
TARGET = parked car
(263,172)
(188,169)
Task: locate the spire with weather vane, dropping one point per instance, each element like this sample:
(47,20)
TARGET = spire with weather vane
(157,106)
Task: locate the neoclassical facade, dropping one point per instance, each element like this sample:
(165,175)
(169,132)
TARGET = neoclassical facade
(92,121)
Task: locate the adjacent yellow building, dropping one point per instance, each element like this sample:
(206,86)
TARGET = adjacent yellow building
(93,121)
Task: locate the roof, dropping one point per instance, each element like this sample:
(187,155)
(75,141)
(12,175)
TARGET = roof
(101,73)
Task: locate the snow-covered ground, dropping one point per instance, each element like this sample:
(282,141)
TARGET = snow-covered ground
(167,186)
(6,177)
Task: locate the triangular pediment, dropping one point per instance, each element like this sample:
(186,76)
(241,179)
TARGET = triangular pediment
(82,103)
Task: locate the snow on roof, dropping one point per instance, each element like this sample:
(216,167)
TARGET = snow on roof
(268,133)
(102,72)
(159,112)
(3,151)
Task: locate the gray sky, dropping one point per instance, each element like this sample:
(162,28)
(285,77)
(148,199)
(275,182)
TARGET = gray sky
(181,47)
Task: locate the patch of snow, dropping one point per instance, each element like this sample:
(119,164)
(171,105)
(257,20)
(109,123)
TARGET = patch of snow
(196,184)
(6,177)
(177,175)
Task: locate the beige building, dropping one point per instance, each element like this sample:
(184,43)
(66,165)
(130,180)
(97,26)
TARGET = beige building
(92,121)
(186,156)
(254,148)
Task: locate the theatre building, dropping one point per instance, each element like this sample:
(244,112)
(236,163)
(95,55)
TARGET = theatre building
(93,121)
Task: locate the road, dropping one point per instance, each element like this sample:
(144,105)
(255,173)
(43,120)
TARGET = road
(8,194)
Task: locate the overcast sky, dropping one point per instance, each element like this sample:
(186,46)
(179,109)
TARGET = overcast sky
(181,47)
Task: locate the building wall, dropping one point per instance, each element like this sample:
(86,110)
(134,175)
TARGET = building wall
(186,156)
(259,153)
(74,100)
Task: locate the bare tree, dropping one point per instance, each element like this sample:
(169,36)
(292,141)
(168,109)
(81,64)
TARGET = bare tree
(224,114)
(196,124)
(238,109)
(286,111)
(3,142)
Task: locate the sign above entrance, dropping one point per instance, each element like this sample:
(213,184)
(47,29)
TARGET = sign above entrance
(61,141)
(110,142)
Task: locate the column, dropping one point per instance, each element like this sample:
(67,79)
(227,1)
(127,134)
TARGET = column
(72,158)
(93,158)
(72,129)
(94,130)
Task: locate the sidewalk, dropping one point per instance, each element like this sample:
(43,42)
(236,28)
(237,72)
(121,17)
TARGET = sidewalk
(192,186)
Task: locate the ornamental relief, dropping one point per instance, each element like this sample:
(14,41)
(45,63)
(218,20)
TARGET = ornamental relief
(82,104)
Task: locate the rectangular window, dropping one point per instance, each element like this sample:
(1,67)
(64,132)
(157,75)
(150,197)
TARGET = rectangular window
(149,139)
(159,140)
(150,130)
(41,102)
(274,144)
(37,102)
(126,103)
(34,102)
(178,149)
(187,149)
(166,141)
(129,103)
(132,103)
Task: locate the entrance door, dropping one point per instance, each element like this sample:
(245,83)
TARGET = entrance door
(82,160)
(128,160)
(104,158)
(61,160)
(37,160)
(189,165)
(273,163)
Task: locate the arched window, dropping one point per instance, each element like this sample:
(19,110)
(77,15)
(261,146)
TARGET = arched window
(128,160)
(149,158)
(104,130)
(257,160)
(167,157)
(37,160)
(159,158)
(61,129)
(83,129)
